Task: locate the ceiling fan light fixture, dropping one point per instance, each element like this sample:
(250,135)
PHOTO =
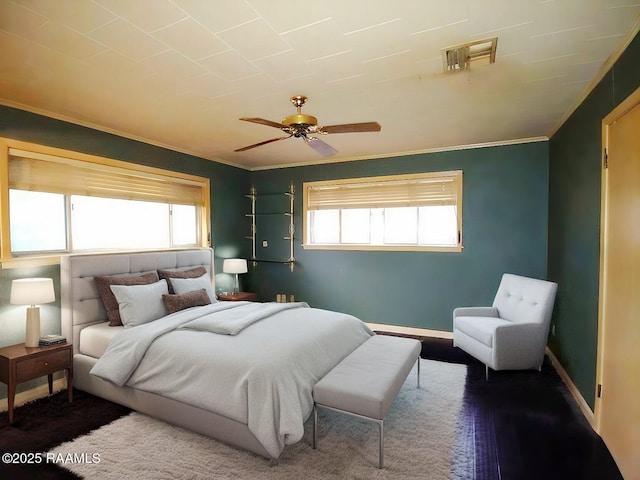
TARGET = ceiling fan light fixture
(459,57)
(300,119)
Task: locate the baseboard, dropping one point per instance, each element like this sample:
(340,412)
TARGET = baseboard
(582,403)
(33,394)
(421,332)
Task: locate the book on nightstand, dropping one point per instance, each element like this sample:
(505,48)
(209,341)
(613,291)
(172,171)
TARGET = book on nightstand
(51,340)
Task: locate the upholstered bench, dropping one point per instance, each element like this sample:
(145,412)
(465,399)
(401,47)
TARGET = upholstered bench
(367,381)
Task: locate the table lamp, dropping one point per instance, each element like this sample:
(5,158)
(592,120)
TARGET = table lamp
(235,266)
(32,291)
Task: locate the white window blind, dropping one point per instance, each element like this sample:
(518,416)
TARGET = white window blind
(421,211)
(47,173)
(430,189)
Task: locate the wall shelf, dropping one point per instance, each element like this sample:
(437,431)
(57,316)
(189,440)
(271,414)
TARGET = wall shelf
(254,197)
(284,262)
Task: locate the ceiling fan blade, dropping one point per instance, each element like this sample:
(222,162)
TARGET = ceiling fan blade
(261,143)
(263,121)
(351,128)
(319,146)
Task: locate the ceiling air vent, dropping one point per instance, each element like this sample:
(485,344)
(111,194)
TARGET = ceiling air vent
(459,57)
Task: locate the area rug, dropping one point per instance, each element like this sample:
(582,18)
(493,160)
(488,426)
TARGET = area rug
(420,431)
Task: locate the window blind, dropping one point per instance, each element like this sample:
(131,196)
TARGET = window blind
(439,188)
(47,173)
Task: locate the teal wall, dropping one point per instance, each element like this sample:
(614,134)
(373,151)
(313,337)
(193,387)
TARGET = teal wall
(505,194)
(575,156)
(227,206)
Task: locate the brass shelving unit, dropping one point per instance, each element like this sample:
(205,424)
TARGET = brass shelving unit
(254,197)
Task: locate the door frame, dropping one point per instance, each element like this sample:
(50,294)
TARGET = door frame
(625,106)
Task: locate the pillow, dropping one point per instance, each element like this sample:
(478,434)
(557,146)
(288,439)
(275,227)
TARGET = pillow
(140,303)
(184,285)
(190,273)
(109,300)
(177,302)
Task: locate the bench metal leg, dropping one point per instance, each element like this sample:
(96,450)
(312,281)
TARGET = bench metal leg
(381,444)
(314,440)
(418,372)
(379,422)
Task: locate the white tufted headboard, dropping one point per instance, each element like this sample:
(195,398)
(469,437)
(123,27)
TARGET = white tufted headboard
(81,304)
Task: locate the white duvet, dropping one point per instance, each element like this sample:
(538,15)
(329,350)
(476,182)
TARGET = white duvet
(259,369)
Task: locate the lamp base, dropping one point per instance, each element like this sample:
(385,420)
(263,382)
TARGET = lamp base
(32,335)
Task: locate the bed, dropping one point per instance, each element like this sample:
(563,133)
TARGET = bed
(185,370)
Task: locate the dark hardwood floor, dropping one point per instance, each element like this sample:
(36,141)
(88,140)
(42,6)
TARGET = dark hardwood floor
(522,425)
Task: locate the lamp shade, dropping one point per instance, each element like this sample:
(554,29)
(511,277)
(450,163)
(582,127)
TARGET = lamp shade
(32,291)
(234,265)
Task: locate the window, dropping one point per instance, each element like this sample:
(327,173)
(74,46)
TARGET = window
(111,223)
(59,201)
(38,221)
(401,212)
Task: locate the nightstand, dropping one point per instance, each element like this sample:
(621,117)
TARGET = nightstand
(19,364)
(237,297)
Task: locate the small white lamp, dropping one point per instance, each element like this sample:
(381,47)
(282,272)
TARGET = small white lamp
(32,291)
(235,266)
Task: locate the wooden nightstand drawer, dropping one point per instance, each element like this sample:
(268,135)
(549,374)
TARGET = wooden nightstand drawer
(42,365)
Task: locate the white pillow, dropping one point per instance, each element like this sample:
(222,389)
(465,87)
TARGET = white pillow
(140,304)
(185,285)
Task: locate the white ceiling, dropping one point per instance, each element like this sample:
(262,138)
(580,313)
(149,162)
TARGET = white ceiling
(179,73)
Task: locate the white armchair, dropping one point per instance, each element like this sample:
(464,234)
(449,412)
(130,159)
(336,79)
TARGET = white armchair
(511,334)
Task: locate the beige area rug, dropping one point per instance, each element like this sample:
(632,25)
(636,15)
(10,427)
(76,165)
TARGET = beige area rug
(419,437)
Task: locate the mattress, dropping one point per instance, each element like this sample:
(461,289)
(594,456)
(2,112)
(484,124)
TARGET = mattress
(95,339)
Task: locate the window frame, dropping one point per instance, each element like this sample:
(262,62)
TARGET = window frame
(7,146)
(452,175)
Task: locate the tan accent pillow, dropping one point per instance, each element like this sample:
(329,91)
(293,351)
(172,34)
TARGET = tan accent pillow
(109,299)
(190,273)
(177,302)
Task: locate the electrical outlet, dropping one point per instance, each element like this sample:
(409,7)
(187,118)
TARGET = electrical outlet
(265,243)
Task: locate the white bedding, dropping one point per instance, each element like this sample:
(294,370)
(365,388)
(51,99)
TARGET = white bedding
(95,339)
(262,376)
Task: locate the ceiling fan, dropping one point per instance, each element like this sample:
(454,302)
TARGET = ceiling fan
(303,126)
